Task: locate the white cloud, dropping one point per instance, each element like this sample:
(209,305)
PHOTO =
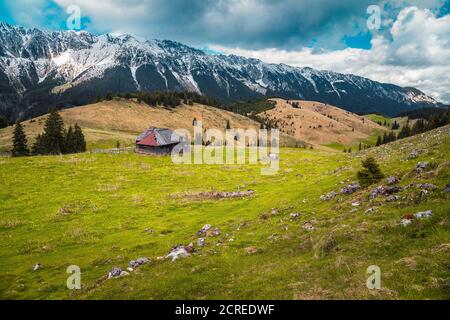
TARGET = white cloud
(418,55)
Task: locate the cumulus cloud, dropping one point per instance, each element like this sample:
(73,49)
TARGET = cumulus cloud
(416,54)
(245,23)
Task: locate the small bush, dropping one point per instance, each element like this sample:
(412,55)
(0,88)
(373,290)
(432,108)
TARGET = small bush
(370,174)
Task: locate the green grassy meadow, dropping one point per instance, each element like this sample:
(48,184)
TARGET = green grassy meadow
(96,210)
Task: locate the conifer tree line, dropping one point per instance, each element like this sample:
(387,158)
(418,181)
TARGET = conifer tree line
(169,99)
(54,140)
(420,126)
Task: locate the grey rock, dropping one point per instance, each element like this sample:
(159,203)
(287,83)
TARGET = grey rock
(328,196)
(392,198)
(421,166)
(447,187)
(308,226)
(376,192)
(180,251)
(37,266)
(351,188)
(200,242)
(294,215)
(204,230)
(423,214)
(405,222)
(392,180)
(116,272)
(393,189)
(139,262)
(414,154)
(426,186)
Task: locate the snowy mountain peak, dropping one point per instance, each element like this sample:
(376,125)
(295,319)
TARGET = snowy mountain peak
(39,69)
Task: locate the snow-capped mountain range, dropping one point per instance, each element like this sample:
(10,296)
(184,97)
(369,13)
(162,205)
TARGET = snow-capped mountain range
(41,69)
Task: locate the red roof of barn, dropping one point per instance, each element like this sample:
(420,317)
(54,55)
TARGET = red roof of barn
(156,137)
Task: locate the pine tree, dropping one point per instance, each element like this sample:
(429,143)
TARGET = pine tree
(79,141)
(228,125)
(20,143)
(404,132)
(3,122)
(38,146)
(385,138)
(360,146)
(69,141)
(370,174)
(53,137)
(379,142)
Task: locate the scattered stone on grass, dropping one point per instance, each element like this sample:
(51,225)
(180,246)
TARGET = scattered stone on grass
(405,222)
(392,198)
(351,188)
(382,191)
(274,211)
(295,215)
(251,250)
(414,154)
(392,180)
(220,195)
(149,230)
(208,231)
(355,204)
(421,166)
(308,226)
(423,214)
(139,262)
(204,230)
(180,251)
(376,192)
(37,267)
(426,186)
(328,196)
(116,272)
(447,187)
(200,242)
(370,210)
(408,218)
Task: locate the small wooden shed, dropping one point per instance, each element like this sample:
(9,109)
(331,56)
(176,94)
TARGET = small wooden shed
(157,141)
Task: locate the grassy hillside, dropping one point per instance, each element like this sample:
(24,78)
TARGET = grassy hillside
(122,120)
(99,211)
(320,123)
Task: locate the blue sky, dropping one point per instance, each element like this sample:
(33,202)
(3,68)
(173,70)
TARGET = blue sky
(410,48)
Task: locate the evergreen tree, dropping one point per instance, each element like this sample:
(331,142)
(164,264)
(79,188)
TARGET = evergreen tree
(360,146)
(53,137)
(370,174)
(379,142)
(39,145)
(3,122)
(228,125)
(20,143)
(79,141)
(405,132)
(69,141)
(385,138)
(395,125)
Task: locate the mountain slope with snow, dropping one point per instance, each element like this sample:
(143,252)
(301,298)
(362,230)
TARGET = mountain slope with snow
(40,69)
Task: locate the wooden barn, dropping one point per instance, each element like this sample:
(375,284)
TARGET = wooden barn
(156,141)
